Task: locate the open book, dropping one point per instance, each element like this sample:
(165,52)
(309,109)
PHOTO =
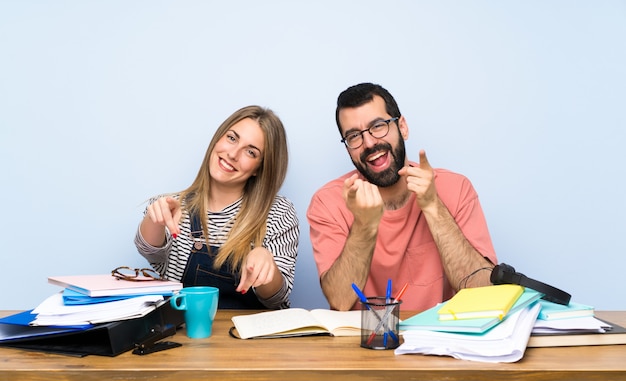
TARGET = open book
(298,322)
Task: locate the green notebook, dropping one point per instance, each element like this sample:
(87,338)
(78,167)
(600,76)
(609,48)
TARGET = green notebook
(429,319)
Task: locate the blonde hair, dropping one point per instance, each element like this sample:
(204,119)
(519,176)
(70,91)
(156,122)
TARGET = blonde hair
(259,192)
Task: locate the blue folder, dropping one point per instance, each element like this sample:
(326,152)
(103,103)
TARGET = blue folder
(71,297)
(16,327)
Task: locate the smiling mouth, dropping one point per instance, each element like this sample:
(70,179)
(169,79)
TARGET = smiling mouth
(378,159)
(224,164)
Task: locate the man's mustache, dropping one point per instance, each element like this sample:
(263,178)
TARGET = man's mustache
(378,147)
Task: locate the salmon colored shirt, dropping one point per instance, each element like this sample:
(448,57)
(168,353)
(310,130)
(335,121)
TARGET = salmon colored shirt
(405,250)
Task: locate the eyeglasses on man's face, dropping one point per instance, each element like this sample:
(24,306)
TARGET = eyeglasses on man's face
(379,129)
(135,275)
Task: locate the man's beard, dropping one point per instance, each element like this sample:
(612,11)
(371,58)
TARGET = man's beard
(389,176)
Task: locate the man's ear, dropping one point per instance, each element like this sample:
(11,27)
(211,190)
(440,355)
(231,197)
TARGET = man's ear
(404,128)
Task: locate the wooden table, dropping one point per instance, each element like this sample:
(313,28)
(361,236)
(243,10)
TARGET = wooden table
(306,358)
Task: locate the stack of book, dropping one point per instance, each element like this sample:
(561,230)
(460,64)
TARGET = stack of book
(573,325)
(498,323)
(92,299)
(488,324)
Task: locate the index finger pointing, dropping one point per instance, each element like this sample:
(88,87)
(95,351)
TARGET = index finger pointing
(424,164)
(173,218)
(244,283)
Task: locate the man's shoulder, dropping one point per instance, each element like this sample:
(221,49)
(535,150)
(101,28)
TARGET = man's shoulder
(453,186)
(442,174)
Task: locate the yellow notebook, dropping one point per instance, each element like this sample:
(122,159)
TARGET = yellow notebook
(481,302)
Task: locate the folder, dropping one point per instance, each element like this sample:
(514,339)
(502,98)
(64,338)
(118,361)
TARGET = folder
(75,298)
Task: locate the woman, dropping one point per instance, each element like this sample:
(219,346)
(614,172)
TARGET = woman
(230,229)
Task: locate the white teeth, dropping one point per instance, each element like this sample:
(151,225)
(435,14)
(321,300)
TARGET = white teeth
(376,156)
(225,164)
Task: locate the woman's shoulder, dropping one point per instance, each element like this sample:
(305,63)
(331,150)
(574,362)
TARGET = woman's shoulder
(282,202)
(282,214)
(282,206)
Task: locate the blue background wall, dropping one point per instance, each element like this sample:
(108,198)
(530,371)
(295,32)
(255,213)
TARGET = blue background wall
(106,103)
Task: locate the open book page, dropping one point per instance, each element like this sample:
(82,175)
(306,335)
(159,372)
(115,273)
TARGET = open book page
(279,323)
(339,323)
(297,322)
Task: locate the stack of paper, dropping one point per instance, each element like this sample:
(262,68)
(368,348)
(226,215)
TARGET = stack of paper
(492,324)
(588,324)
(101,298)
(53,312)
(506,342)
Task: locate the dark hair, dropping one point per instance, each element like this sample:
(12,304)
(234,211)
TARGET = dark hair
(358,95)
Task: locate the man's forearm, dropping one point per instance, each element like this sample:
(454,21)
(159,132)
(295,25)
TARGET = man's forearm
(352,266)
(459,258)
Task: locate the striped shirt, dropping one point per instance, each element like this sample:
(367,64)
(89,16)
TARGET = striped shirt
(281,239)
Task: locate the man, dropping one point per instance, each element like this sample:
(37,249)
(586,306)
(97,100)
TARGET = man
(392,218)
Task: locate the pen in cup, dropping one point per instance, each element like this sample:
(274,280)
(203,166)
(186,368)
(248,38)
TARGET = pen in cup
(388,296)
(386,316)
(381,322)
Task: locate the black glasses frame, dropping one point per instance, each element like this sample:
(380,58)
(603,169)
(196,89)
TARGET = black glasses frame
(359,134)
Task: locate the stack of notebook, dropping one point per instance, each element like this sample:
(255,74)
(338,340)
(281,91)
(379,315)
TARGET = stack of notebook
(573,325)
(473,310)
(489,324)
(497,324)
